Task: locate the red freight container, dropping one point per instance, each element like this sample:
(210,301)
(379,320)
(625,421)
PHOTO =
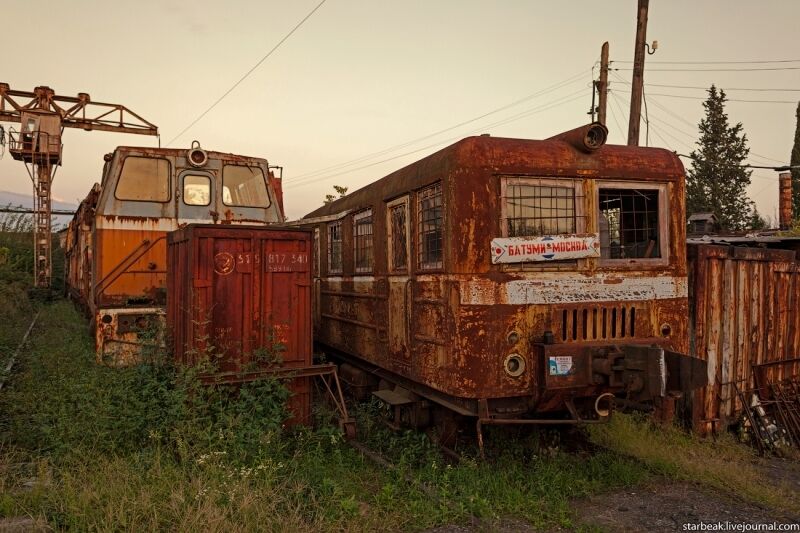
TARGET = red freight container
(240,296)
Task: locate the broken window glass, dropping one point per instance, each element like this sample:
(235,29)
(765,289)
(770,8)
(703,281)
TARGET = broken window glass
(629,225)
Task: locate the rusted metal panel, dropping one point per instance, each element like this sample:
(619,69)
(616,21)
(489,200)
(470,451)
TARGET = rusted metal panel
(239,302)
(451,328)
(744,303)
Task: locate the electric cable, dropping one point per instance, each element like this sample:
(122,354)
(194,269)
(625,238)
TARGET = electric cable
(736,62)
(564,83)
(544,107)
(246,74)
(713,69)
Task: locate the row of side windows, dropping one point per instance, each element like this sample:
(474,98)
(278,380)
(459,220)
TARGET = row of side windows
(429,232)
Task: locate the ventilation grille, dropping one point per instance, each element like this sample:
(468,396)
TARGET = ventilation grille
(595,323)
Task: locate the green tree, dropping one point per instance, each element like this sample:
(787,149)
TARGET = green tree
(757,221)
(341,191)
(795,161)
(717,181)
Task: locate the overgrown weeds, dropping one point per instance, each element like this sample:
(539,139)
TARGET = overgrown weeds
(721,463)
(88,447)
(149,448)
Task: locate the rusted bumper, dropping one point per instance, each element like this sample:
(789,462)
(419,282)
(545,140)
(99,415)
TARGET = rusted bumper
(124,336)
(639,373)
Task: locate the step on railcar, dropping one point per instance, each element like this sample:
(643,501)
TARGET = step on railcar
(116,249)
(510,281)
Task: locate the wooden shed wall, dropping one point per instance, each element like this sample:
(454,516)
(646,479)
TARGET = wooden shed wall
(743,312)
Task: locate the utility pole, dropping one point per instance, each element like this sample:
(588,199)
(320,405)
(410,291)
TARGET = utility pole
(637,84)
(602,85)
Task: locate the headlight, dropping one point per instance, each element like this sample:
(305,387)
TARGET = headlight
(514,365)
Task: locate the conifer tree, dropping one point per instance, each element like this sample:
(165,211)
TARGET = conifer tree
(717,182)
(795,161)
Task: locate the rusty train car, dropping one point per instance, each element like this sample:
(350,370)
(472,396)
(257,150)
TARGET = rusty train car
(510,281)
(116,245)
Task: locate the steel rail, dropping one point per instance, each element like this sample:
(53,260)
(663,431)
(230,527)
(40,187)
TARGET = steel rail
(12,360)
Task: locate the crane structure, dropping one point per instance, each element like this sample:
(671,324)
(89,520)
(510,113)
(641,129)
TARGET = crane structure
(42,116)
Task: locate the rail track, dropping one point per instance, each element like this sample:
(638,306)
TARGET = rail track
(13,359)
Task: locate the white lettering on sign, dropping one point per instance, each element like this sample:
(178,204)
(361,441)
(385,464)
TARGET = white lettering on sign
(287,262)
(546,248)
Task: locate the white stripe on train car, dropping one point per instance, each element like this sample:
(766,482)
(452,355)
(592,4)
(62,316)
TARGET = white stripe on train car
(572,290)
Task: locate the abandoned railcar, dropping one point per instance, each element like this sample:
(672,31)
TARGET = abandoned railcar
(116,249)
(510,280)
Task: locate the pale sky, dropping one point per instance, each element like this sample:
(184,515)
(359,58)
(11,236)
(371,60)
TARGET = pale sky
(363,77)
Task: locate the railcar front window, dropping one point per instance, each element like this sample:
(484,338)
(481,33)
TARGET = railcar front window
(362,240)
(196,190)
(534,210)
(430,217)
(335,247)
(629,224)
(244,186)
(144,179)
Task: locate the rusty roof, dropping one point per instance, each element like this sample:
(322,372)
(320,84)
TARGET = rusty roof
(181,152)
(553,157)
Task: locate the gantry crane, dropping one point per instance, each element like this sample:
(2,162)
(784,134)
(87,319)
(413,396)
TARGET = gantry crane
(42,121)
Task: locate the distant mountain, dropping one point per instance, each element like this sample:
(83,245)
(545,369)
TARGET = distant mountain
(15,199)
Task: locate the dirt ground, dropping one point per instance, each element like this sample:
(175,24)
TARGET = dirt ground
(662,506)
(666,506)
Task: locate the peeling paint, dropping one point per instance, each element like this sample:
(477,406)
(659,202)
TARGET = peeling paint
(567,289)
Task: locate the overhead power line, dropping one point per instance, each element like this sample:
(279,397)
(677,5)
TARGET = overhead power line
(688,97)
(759,89)
(544,107)
(246,74)
(677,116)
(737,62)
(713,69)
(564,83)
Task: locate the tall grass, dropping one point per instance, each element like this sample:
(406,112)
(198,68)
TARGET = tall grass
(146,448)
(721,463)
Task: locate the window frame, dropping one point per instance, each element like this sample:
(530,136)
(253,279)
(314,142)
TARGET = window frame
(577,184)
(405,202)
(329,245)
(263,177)
(317,253)
(364,213)
(210,180)
(663,220)
(420,266)
(169,179)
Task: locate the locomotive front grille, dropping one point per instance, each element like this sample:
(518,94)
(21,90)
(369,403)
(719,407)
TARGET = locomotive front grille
(594,323)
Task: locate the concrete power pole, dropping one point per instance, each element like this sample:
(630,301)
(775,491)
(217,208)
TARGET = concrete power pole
(602,85)
(638,74)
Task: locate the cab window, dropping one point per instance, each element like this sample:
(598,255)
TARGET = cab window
(196,189)
(630,222)
(144,179)
(244,186)
(536,207)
